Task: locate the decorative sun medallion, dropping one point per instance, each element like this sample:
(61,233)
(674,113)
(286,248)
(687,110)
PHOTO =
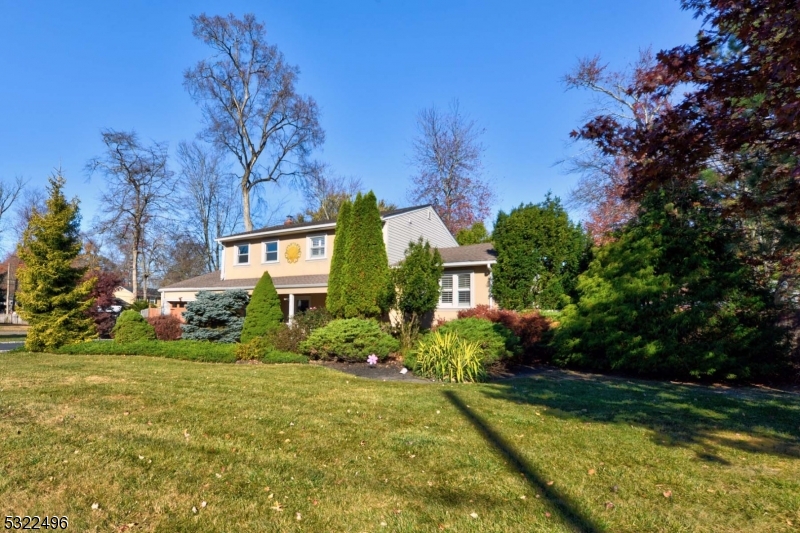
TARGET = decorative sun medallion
(293,253)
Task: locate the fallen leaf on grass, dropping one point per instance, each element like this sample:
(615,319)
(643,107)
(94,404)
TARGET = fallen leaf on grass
(194,510)
(609,505)
(549,483)
(474,515)
(95,506)
(667,493)
(298,516)
(547,515)
(277,507)
(592,471)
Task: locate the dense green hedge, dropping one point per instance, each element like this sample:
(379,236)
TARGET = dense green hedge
(183,349)
(208,352)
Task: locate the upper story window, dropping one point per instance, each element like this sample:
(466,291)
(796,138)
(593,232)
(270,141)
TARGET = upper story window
(242,254)
(271,252)
(455,290)
(316,247)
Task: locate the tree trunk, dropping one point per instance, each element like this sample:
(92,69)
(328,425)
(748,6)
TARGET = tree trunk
(248,222)
(135,274)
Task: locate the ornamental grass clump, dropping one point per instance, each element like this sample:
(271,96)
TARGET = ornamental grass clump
(446,357)
(495,341)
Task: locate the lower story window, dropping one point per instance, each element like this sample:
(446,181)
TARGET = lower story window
(456,290)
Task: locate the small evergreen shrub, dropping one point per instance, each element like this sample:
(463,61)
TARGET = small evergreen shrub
(288,338)
(132,327)
(259,349)
(495,341)
(447,357)
(215,316)
(264,312)
(200,351)
(167,327)
(530,326)
(139,305)
(351,340)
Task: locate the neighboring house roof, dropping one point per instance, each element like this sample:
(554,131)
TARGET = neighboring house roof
(472,253)
(319,224)
(151,293)
(212,281)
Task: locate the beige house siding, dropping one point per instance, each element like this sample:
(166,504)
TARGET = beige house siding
(408,227)
(256,265)
(480,294)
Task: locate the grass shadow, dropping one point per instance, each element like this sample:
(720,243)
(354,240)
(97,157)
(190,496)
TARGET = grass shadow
(694,416)
(560,502)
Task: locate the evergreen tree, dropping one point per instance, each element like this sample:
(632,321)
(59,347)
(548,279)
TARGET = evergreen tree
(414,288)
(670,297)
(334,302)
(539,256)
(367,273)
(475,234)
(215,316)
(53,297)
(264,310)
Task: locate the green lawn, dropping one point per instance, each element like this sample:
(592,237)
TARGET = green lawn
(303,448)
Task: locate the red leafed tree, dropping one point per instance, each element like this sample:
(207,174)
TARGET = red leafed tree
(603,174)
(448,158)
(733,129)
(103,294)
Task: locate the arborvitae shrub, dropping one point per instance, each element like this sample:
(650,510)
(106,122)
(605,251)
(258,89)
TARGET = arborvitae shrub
(167,327)
(264,312)
(351,340)
(337,277)
(132,327)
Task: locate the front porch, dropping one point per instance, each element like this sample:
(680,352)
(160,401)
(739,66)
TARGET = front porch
(293,302)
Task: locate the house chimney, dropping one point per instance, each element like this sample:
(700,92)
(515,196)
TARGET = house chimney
(289,220)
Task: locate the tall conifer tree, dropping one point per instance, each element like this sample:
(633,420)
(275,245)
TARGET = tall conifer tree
(336,280)
(52,296)
(367,270)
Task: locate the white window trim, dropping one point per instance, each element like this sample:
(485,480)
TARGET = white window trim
(264,254)
(236,254)
(309,241)
(455,304)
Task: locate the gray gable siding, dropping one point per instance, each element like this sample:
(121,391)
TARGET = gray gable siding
(408,227)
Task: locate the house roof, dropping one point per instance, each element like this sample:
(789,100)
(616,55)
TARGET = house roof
(212,281)
(472,253)
(321,224)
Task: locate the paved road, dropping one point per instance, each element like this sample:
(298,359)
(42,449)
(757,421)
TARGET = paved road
(6,346)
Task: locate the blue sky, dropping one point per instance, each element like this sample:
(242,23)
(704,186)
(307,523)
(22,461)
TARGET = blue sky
(70,69)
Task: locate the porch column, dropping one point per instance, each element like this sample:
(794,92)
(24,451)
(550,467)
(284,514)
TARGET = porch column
(291,308)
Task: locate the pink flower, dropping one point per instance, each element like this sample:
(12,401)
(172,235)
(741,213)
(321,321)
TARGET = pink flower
(372,360)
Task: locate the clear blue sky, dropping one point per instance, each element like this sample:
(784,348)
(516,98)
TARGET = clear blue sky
(70,69)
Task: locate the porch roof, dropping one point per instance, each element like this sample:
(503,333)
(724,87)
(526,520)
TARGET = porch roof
(212,281)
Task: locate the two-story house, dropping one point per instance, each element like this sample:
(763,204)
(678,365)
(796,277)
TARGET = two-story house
(298,257)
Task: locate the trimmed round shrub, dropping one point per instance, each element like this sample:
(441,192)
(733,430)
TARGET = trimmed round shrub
(132,327)
(350,340)
(167,327)
(264,312)
(495,341)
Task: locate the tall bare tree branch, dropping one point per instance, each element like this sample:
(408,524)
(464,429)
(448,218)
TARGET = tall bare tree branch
(247,94)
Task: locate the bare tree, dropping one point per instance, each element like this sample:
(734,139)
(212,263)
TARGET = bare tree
(138,184)
(209,194)
(31,200)
(603,176)
(448,155)
(324,193)
(247,94)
